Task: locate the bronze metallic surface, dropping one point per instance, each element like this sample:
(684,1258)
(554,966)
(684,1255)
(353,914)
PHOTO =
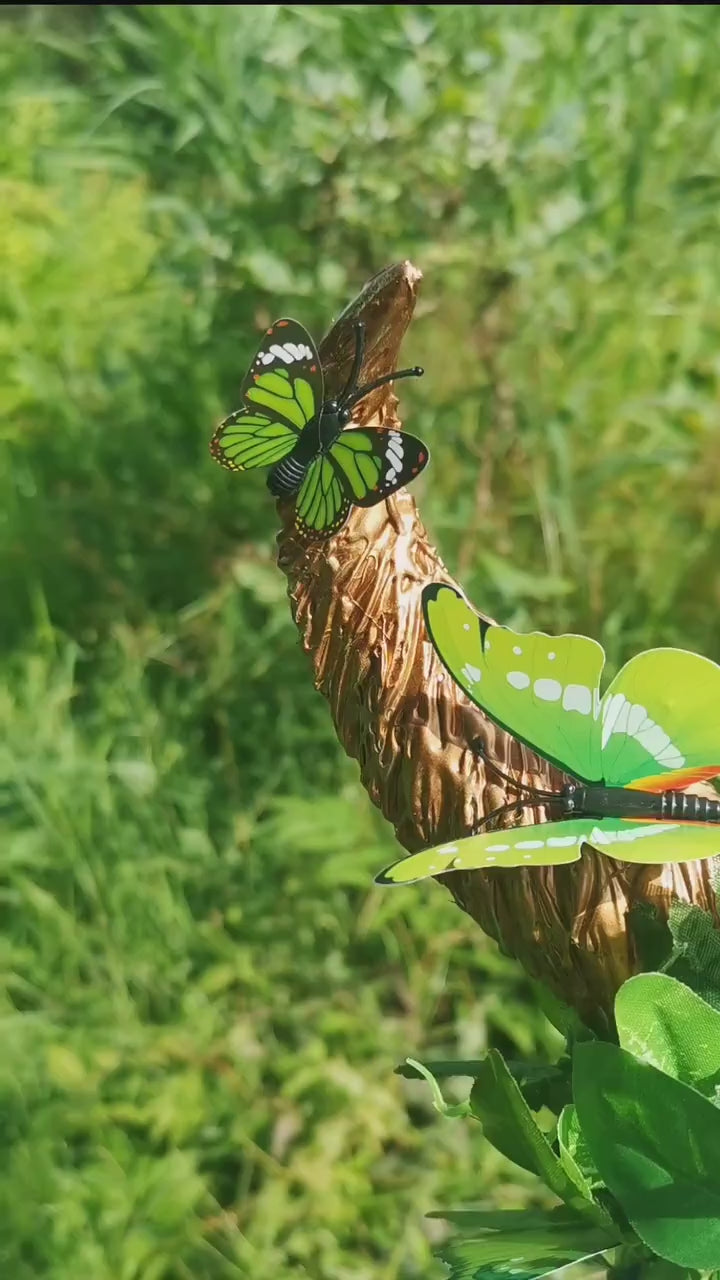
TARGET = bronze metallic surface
(356,599)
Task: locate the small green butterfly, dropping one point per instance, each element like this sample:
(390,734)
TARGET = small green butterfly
(287,424)
(656,729)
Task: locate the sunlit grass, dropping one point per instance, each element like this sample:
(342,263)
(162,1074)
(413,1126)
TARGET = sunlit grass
(203,996)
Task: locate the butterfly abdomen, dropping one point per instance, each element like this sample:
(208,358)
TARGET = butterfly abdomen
(678,804)
(286,476)
(621,802)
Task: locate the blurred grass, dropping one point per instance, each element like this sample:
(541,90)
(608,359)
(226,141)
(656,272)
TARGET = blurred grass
(202,996)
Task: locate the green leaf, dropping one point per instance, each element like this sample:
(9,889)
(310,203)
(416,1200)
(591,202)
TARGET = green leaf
(663,1022)
(444,1068)
(451,1111)
(650,934)
(656,1143)
(696,960)
(574,1153)
(543,1084)
(519,1221)
(562,1017)
(522,1244)
(508,1124)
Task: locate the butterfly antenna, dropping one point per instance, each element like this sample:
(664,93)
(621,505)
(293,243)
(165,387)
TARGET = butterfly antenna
(515,806)
(357,362)
(361,392)
(477,746)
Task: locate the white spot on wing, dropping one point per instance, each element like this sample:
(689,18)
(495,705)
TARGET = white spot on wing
(518,679)
(517,649)
(621,723)
(552,657)
(562,842)
(636,716)
(472,674)
(288,352)
(654,740)
(466,626)
(447,848)
(497,848)
(634,832)
(611,711)
(530,844)
(577,697)
(281,353)
(548,690)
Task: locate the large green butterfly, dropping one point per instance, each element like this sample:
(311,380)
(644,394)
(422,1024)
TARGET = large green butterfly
(631,750)
(287,424)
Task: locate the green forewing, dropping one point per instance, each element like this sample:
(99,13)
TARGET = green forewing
(553,843)
(281,392)
(543,689)
(287,400)
(661,714)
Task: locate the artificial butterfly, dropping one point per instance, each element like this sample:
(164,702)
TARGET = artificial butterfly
(656,729)
(287,424)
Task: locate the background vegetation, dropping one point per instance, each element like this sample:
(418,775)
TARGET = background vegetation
(203,996)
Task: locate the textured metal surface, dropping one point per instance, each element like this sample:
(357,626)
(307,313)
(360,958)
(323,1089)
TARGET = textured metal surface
(356,600)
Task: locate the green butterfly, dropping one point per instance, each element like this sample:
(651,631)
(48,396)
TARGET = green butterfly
(287,424)
(656,729)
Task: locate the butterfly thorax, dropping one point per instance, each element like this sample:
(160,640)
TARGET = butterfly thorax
(595,801)
(317,437)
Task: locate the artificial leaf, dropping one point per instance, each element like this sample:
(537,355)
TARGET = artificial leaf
(656,1144)
(650,934)
(516,1222)
(440,1069)
(574,1153)
(508,1123)
(696,959)
(525,1245)
(663,1022)
(542,1084)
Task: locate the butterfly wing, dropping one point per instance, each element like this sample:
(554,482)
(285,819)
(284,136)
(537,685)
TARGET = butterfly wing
(247,439)
(544,690)
(660,721)
(322,505)
(551,844)
(375,463)
(652,843)
(288,349)
(282,391)
(542,845)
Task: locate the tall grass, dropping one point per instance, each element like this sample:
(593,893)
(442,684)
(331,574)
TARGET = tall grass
(203,996)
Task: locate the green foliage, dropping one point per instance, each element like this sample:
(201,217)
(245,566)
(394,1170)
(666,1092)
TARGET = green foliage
(655,1142)
(202,995)
(663,1023)
(497,1102)
(527,1244)
(633,1157)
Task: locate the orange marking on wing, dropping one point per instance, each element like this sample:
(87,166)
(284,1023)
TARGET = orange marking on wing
(675,779)
(282,324)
